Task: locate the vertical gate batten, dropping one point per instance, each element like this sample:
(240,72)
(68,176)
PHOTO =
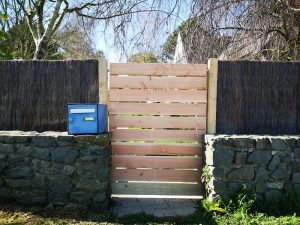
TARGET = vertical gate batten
(212,95)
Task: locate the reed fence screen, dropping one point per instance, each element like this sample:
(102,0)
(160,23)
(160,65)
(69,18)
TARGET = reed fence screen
(34,94)
(255,97)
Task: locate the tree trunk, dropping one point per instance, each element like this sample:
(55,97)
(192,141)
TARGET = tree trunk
(40,49)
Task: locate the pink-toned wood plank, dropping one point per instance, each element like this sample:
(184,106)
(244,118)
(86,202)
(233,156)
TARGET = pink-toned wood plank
(157,95)
(127,148)
(158,82)
(167,162)
(157,134)
(158,122)
(198,109)
(158,69)
(156,175)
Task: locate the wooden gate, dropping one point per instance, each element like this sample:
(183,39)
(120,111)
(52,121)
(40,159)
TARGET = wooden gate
(157,116)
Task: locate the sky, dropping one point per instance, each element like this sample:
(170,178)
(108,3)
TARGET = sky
(149,41)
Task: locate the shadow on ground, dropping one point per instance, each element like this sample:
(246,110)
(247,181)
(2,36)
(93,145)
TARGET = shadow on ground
(12,214)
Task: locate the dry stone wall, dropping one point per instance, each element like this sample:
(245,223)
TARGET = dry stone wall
(56,170)
(268,166)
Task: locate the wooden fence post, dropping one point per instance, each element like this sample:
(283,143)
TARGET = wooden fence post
(212,95)
(103,81)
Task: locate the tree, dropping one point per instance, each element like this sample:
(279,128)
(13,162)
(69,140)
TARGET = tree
(4,50)
(45,17)
(143,57)
(265,29)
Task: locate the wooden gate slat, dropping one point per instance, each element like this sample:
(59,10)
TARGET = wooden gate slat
(184,189)
(151,69)
(157,108)
(156,135)
(158,95)
(158,82)
(156,149)
(132,162)
(156,175)
(158,122)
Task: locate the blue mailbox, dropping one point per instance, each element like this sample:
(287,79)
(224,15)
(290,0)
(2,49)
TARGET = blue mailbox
(87,118)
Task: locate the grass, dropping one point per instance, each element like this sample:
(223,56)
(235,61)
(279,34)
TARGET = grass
(243,209)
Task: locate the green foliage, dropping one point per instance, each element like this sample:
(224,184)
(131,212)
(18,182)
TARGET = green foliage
(21,44)
(143,57)
(214,208)
(17,43)
(4,49)
(206,177)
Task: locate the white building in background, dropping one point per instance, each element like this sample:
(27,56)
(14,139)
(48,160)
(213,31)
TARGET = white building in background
(180,54)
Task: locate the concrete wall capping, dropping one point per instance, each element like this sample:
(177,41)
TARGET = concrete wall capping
(54,169)
(266,165)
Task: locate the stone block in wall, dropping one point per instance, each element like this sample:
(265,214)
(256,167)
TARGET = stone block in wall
(101,140)
(19,183)
(42,153)
(280,173)
(275,185)
(240,157)
(260,187)
(263,144)
(23,150)
(218,171)
(44,141)
(30,197)
(243,143)
(19,172)
(65,155)
(259,157)
(52,168)
(39,180)
(219,157)
(98,150)
(60,182)
(297,153)
(296,178)
(2,162)
(245,172)
(91,185)
(6,149)
(82,197)
(296,165)
(18,160)
(274,163)
(261,174)
(278,144)
(236,186)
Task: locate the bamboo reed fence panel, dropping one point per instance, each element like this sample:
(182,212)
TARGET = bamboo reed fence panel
(34,94)
(255,97)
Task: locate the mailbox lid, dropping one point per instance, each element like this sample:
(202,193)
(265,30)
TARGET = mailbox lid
(82,118)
